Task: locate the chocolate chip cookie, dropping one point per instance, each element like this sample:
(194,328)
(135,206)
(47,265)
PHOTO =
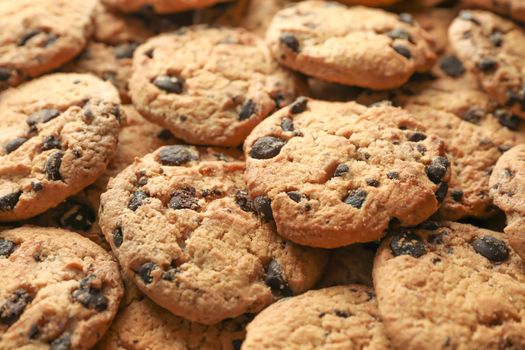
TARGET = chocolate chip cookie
(331,174)
(509,8)
(160,6)
(436,22)
(183,228)
(473,152)
(507,184)
(450,286)
(208,86)
(39,36)
(493,48)
(349,45)
(344,317)
(57,135)
(59,290)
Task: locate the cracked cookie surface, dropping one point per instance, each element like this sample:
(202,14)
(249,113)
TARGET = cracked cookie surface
(208,86)
(59,290)
(184,230)
(332,174)
(349,45)
(58,133)
(472,282)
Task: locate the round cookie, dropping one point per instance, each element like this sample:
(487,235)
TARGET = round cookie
(57,135)
(344,317)
(450,286)
(507,187)
(110,63)
(208,86)
(494,50)
(473,151)
(349,265)
(78,213)
(160,6)
(509,8)
(39,36)
(184,230)
(59,290)
(349,45)
(332,174)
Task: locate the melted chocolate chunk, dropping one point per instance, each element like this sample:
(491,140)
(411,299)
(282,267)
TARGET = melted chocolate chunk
(169,84)
(356,198)
(399,33)
(299,105)
(42,116)
(452,66)
(89,296)
(491,248)
(341,170)
(486,64)
(50,142)
(276,281)
(136,199)
(52,166)
(393,175)
(437,169)
(456,194)
(416,137)
(441,192)
(12,308)
(266,147)
(9,201)
(295,196)
(402,50)
(144,272)
(118,237)
(14,144)
(6,247)
(290,41)
(176,155)
(263,207)
(247,110)
(407,244)
(184,198)
(243,201)
(287,124)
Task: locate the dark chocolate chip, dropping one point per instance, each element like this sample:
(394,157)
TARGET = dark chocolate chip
(452,66)
(372,182)
(276,281)
(14,144)
(295,196)
(27,36)
(407,18)
(491,248)
(52,166)
(416,137)
(184,198)
(290,41)
(170,84)
(402,50)
(287,124)
(37,186)
(496,38)
(341,313)
(341,170)
(468,16)
(62,343)
(407,244)
(165,135)
(456,194)
(507,119)
(78,217)
(266,147)
(136,199)
(299,105)
(356,198)
(176,155)
(263,207)
(144,272)
(473,115)
(399,33)
(5,74)
(125,50)
(42,116)
(393,175)
(50,142)
(118,237)
(89,296)
(243,201)
(437,169)
(486,64)
(439,238)
(13,307)
(441,192)
(149,53)
(9,201)
(6,247)
(247,110)
(170,274)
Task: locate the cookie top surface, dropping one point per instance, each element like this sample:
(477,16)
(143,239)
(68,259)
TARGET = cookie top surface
(37,37)
(57,135)
(493,48)
(343,317)
(208,86)
(190,239)
(472,282)
(51,277)
(473,152)
(160,6)
(509,8)
(349,45)
(336,173)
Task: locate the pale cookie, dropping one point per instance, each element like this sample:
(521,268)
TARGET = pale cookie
(450,286)
(208,86)
(57,135)
(494,50)
(39,36)
(332,174)
(160,6)
(509,8)
(349,45)
(344,317)
(59,291)
(508,191)
(185,231)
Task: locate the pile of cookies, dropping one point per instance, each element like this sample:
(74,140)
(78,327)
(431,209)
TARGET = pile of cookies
(262,174)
